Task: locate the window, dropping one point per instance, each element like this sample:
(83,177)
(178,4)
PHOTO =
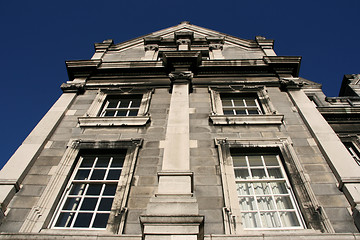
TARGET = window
(242,105)
(115,108)
(88,190)
(263,181)
(264,193)
(91,190)
(121,106)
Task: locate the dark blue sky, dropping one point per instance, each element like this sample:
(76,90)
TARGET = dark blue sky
(38,36)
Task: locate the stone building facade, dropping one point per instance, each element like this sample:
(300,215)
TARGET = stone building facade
(187,133)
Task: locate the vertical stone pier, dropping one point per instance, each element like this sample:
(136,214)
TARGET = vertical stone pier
(173,212)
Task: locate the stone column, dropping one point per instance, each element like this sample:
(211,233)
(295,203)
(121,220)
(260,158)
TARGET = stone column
(173,212)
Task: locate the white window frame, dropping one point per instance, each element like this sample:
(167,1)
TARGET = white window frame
(351,142)
(310,209)
(95,115)
(87,183)
(267,113)
(42,215)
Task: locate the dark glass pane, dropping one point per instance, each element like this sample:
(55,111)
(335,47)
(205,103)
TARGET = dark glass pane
(271,160)
(117,161)
(77,189)
(253,112)
(255,160)
(109,113)
(226,102)
(105,204)
(83,220)
(121,113)
(250,102)
(275,173)
(110,190)
(114,174)
(82,174)
(124,103)
(239,161)
(65,219)
(94,189)
(89,204)
(240,112)
(228,112)
(238,102)
(98,174)
(71,204)
(101,220)
(135,103)
(133,113)
(258,173)
(87,162)
(113,103)
(102,162)
(241,174)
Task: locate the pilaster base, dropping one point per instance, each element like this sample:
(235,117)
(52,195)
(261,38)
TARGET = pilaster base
(186,227)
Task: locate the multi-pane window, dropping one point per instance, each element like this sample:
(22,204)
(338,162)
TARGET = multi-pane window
(88,198)
(240,104)
(264,193)
(121,106)
(353,151)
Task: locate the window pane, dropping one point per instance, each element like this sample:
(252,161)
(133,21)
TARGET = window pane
(109,113)
(102,162)
(239,102)
(253,112)
(275,173)
(105,204)
(284,202)
(83,220)
(98,174)
(261,188)
(121,113)
(250,101)
(289,219)
(110,190)
(258,173)
(65,219)
(133,113)
(239,161)
(136,103)
(71,204)
(94,189)
(124,103)
(228,112)
(278,187)
(265,203)
(241,174)
(247,203)
(113,175)
(271,160)
(226,102)
(89,204)
(240,112)
(112,103)
(117,161)
(77,189)
(251,220)
(270,219)
(255,161)
(87,162)
(82,174)
(244,189)
(101,220)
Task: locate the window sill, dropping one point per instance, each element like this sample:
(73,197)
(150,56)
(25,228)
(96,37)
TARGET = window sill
(113,121)
(246,119)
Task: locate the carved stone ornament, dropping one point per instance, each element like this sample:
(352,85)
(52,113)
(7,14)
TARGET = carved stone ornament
(72,87)
(294,83)
(183,41)
(215,47)
(151,47)
(185,75)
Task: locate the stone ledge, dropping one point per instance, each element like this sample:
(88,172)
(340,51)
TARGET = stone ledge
(113,121)
(246,119)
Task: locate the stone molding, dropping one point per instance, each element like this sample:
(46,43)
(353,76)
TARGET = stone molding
(151,47)
(216,47)
(73,87)
(247,119)
(113,121)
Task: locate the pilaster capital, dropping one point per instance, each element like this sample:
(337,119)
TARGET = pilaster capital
(151,47)
(72,87)
(216,46)
(183,41)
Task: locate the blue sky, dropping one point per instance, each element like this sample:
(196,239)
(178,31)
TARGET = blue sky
(38,36)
